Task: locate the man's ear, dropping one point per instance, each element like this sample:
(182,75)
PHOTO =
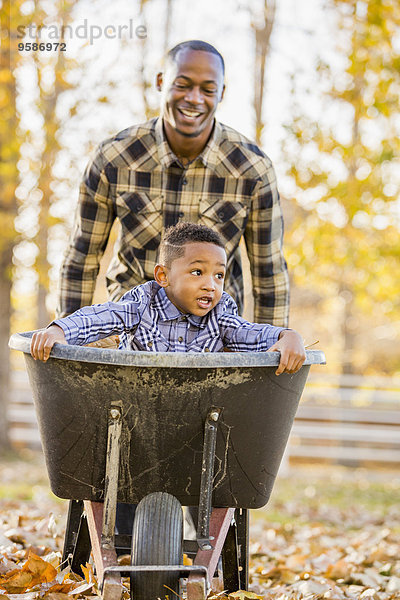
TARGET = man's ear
(161,275)
(159,81)
(222,93)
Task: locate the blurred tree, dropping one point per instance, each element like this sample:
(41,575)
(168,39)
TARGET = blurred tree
(9,155)
(262,22)
(146,85)
(52,68)
(344,240)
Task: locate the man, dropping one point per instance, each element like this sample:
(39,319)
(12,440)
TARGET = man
(183,166)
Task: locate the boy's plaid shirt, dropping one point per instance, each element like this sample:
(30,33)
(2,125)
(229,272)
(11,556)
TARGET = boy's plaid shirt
(137,179)
(147,320)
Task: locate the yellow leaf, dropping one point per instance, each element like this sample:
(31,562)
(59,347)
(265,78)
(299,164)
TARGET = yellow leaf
(243,595)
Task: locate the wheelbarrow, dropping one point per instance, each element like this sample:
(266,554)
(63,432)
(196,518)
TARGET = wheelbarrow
(162,430)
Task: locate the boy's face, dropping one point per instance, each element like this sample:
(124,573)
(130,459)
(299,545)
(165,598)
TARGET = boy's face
(194,283)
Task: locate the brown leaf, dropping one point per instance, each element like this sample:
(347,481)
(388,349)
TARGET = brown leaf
(34,571)
(243,595)
(40,569)
(296,562)
(340,570)
(61,588)
(16,581)
(88,573)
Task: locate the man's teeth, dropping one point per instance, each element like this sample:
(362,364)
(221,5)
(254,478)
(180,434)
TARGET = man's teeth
(189,113)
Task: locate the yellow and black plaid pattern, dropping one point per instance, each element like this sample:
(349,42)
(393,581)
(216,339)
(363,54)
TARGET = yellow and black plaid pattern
(136,178)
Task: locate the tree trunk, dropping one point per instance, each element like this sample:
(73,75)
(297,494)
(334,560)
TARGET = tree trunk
(5,303)
(262,34)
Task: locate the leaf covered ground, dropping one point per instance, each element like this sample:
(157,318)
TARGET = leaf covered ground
(327,533)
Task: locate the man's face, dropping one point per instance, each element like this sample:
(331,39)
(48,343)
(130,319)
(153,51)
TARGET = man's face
(192,87)
(194,283)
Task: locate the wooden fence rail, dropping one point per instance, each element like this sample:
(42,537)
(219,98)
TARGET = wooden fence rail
(347,419)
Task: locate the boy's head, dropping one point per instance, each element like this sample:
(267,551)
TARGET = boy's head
(192,267)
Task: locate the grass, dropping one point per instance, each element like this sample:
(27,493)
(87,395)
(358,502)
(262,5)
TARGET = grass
(332,487)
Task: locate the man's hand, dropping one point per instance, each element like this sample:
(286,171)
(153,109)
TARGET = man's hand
(43,341)
(293,354)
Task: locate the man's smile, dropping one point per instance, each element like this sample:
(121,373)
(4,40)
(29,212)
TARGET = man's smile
(189,113)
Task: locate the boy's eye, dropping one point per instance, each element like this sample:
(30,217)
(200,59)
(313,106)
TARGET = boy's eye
(196,272)
(220,275)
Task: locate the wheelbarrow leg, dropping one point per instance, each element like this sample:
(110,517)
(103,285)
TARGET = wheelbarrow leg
(242,520)
(77,540)
(101,516)
(230,561)
(220,522)
(213,524)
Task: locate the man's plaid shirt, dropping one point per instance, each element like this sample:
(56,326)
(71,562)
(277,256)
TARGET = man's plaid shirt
(146,319)
(136,178)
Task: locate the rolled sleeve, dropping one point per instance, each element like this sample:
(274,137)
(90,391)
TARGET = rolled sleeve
(93,221)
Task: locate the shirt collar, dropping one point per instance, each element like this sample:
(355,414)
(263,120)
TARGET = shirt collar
(169,312)
(209,155)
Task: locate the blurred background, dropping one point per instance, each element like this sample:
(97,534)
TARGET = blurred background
(316,83)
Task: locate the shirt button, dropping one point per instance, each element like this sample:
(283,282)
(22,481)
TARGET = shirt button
(184,319)
(149,344)
(181,214)
(180,339)
(184,182)
(206,349)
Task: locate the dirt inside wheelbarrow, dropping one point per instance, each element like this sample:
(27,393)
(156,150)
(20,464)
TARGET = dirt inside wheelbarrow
(335,537)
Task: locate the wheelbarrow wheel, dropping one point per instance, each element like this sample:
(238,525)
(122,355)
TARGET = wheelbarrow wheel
(157,539)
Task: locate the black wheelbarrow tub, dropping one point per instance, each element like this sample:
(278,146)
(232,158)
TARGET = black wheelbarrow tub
(165,401)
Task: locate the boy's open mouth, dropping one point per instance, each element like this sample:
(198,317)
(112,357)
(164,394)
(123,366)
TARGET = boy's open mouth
(204,301)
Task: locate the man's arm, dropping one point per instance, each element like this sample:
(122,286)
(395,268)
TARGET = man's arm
(93,220)
(263,237)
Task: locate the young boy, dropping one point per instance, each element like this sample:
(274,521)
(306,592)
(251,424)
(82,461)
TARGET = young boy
(183,310)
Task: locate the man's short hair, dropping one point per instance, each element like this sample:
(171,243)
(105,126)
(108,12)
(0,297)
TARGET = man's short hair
(176,237)
(195,45)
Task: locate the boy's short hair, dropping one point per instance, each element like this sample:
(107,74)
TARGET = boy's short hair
(176,237)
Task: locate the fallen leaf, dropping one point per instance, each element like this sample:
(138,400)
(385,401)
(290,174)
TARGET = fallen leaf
(340,570)
(88,573)
(393,584)
(16,581)
(243,595)
(79,589)
(370,594)
(61,588)
(296,562)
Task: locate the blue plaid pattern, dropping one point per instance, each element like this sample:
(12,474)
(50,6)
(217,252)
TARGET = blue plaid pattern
(145,319)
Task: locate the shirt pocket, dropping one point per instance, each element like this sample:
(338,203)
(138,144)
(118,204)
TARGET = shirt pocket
(141,218)
(228,218)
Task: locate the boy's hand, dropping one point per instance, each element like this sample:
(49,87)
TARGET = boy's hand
(43,341)
(293,354)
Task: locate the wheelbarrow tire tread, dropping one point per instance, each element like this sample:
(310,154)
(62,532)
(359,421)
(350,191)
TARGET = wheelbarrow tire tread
(157,539)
